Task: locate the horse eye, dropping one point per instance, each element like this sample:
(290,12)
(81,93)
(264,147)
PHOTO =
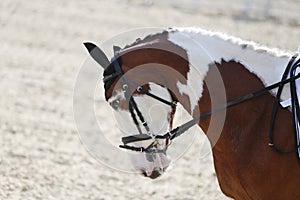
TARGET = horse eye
(115,104)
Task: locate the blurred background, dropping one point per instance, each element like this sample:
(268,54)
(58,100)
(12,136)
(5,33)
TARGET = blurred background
(41,52)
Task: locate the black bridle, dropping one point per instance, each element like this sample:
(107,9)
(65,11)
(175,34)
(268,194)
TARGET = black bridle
(135,112)
(290,75)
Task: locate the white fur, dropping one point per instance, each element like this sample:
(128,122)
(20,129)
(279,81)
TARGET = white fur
(267,64)
(194,86)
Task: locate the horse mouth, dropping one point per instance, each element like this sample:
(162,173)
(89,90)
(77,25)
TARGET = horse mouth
(151,165)
(153,175)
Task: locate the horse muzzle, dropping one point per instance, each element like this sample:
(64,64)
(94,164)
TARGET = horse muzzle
(154,174)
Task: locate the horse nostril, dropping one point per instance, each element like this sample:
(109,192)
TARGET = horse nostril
(155,174)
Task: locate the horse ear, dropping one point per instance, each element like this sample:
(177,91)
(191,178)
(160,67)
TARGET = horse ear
(116,49)
(97,54)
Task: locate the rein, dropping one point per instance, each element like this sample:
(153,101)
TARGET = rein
(290,75)
(170,135)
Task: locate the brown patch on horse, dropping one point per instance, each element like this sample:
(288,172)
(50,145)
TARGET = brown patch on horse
(246,167)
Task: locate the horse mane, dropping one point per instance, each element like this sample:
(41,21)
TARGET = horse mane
(156,37)
(245,44)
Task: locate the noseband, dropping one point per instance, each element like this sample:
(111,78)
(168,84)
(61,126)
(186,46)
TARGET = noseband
(290,71)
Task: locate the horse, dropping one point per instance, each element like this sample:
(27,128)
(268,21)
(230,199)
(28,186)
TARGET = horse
(211,75)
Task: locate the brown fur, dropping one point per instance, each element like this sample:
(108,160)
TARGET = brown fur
(246,167)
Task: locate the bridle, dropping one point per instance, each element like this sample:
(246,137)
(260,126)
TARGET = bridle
(134,110)
(290,76)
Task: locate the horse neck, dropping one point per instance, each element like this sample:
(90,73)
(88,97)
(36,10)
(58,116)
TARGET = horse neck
(264,62)
(243,70)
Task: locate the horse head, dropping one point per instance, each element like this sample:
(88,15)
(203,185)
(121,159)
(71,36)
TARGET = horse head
(142,105)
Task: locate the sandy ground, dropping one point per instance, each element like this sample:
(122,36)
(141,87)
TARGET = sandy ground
(41,155)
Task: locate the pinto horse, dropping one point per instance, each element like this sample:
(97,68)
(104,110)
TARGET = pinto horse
(166,68)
